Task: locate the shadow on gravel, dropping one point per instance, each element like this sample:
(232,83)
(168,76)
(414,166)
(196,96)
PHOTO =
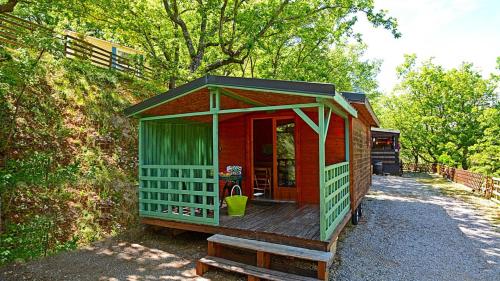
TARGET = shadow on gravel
(138,255)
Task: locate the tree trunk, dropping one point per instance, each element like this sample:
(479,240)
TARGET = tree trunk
(465,155)
(171,82)
(1,215)
(9,6)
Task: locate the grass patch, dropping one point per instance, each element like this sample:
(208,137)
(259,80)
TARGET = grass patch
(487,208)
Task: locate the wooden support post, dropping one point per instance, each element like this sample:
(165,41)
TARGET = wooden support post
(211,249)
(253,278)
(321,166)
(201,268)
(322,270)
(346,137)
(263,259)
(141,161)
(214,108)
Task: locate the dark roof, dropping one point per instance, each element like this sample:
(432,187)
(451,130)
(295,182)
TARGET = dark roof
(224,81)
(354,97)
(386,131)
(359,97)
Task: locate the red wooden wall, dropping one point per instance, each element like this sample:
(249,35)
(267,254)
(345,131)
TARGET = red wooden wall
(234,136)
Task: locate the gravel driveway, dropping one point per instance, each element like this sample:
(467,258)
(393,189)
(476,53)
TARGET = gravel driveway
(411,232)
(408,232)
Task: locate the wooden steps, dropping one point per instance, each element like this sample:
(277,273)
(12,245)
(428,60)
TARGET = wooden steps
(260,268)
(253,272)
(277,249)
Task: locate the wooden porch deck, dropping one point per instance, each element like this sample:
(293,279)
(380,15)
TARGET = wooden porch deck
(285,219)
(282,223)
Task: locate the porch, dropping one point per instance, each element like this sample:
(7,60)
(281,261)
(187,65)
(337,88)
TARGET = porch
(283,223)
(187,139)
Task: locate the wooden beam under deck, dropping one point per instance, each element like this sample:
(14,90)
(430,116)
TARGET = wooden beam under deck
(256,235)
(338,230)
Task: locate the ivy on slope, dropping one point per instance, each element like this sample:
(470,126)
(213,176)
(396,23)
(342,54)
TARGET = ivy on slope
(68,165)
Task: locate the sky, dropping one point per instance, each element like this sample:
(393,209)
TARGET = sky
(451,31)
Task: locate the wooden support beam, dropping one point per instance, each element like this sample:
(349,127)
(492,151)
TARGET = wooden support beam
(306,119)
(201,268)
(332,106)
(327,123)
(322,270)
(236,96)
(346,138)
(211,249)
(229,111)
(214,108)
(268,108)
(321,165)
(263,259)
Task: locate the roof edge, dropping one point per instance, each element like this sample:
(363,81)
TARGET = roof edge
(276,86)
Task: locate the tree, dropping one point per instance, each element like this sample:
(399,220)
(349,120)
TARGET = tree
(485,156)
(439,111)
(188,39)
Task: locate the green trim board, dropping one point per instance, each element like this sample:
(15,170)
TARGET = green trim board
(334,107)
(345,104)
(181,115)
(336,198)
(214,107)
(327,125)
(306,119)
(229,111)
(321,166)
(346,138)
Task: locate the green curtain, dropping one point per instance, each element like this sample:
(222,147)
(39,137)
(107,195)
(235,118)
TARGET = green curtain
(167,143)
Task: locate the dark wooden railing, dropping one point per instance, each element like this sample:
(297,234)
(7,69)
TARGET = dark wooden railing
(78,48)
(13,28)
(488,186)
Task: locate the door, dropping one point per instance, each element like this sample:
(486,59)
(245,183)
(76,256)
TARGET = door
(273,152)
(284,148)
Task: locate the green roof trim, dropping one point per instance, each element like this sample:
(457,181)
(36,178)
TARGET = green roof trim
(323,90)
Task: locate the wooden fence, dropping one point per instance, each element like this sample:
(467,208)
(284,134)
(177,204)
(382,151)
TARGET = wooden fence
(489,187)
(13,29)
(420,168)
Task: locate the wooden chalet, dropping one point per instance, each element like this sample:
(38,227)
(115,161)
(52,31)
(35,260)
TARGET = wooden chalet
(361,146)
(304,150)
(385,150)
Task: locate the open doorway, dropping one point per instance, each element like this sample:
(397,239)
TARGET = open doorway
(274,167)
(263,155)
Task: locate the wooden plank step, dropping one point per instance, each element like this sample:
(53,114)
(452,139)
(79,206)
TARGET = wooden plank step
(250,270)
(272,248)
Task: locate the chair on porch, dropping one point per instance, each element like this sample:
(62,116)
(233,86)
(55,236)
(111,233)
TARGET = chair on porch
(262,182)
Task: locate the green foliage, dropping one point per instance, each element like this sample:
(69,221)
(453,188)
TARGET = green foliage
(38,168)
(183,40)
(66,139)
(66,151)
(35,238)
(485,156)
(441,113)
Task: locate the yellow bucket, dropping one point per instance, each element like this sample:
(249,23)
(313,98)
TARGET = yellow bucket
(236,204)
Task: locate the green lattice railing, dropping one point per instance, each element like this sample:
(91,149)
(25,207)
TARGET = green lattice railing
(179,192)
(336,197)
